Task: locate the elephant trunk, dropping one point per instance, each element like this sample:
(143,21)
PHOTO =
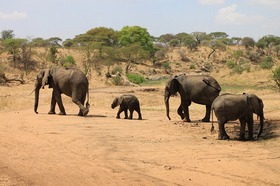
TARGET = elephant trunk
(261,124)
(166,100)
(37,90)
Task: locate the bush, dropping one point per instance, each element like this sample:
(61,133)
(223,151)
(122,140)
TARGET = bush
(276,76)
(67,61)
(230,64)
(134,78)
(117,80)
(117,69)
(166,65)
(267,63)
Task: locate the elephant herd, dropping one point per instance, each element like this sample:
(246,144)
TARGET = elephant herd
(200,89)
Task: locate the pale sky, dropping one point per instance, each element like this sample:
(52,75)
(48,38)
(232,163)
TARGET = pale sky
(68,18)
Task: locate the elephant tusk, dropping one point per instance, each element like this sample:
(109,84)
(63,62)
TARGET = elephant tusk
(31,92)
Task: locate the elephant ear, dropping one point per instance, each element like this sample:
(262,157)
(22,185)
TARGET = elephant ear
(120,100)
(45,80)
(173,85)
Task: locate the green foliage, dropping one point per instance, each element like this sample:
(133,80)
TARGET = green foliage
(136,35)
(230,64)
(7,34)
(248,42)
(192,66)
(276,76)
(238,68)
(267,62)
(52,54)
(237,54)
(135,78)
(117,69)
(67,61)
(117,80)
(106,36)
(166,65)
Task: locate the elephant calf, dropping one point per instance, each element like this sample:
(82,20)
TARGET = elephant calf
(127,102)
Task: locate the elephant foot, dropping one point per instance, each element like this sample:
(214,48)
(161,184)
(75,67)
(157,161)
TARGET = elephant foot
(186,120)
(51,112)
(85,112)
(62,113)
(205,120)
(224,137)
(118,117)
(139,118)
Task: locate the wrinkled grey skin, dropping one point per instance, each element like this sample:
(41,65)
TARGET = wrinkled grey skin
(69,81)
(127,102)
(200,89)
(230,107)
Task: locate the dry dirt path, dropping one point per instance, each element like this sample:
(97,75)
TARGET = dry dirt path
(42,149)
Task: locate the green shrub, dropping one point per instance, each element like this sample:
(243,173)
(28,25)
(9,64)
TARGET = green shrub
(276,76)
(238,69)
(67,61)
(230,64)
(192,66)
(135,78)
(117,80)
(117,69)
(267,63)
(166,65)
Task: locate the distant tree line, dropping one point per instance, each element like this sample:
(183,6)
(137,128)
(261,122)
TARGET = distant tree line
(132,45)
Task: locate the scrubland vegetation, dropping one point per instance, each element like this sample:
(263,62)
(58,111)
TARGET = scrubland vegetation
(132,54)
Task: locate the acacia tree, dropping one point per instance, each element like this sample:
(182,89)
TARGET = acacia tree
(7,34)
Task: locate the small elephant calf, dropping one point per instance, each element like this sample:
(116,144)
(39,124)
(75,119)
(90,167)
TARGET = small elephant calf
(127,102)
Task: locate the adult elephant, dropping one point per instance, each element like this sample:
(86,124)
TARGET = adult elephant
(229,107)
(69,81)
(200,89)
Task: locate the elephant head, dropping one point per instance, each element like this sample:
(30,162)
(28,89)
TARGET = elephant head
(117,101)
(256,104)
(42,79)
(171,88)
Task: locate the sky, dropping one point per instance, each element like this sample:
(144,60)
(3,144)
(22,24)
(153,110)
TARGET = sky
(68,18)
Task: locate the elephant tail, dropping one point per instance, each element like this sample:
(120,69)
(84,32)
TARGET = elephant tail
(87,104)
(212,128)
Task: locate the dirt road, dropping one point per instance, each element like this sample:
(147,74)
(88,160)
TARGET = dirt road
(42,149)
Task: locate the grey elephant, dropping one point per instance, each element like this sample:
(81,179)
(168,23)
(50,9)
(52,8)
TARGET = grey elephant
(200,89)
(230,107)
(69,81)
(127,102)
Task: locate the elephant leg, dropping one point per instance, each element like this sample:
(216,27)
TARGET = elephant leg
(139,113)
(83,111)
(242,128)
(207,114)
(180,112)
(185,108)
(119,113)
(131,113)
(125,114)
(222,132)
(58,99)
(53,103)
(250,123)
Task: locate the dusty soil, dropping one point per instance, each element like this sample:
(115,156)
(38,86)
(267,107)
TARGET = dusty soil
(42,149)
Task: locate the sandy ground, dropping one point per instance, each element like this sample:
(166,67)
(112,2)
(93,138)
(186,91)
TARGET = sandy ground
(42,149)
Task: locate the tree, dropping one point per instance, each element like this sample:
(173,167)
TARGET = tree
(136,35)
(54,41)
(39,42)
(214,45)
(107,36)
(7,34)
(132,54)
(248,42)
(166,38)
(200,36)
(218,35)
(12,45)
